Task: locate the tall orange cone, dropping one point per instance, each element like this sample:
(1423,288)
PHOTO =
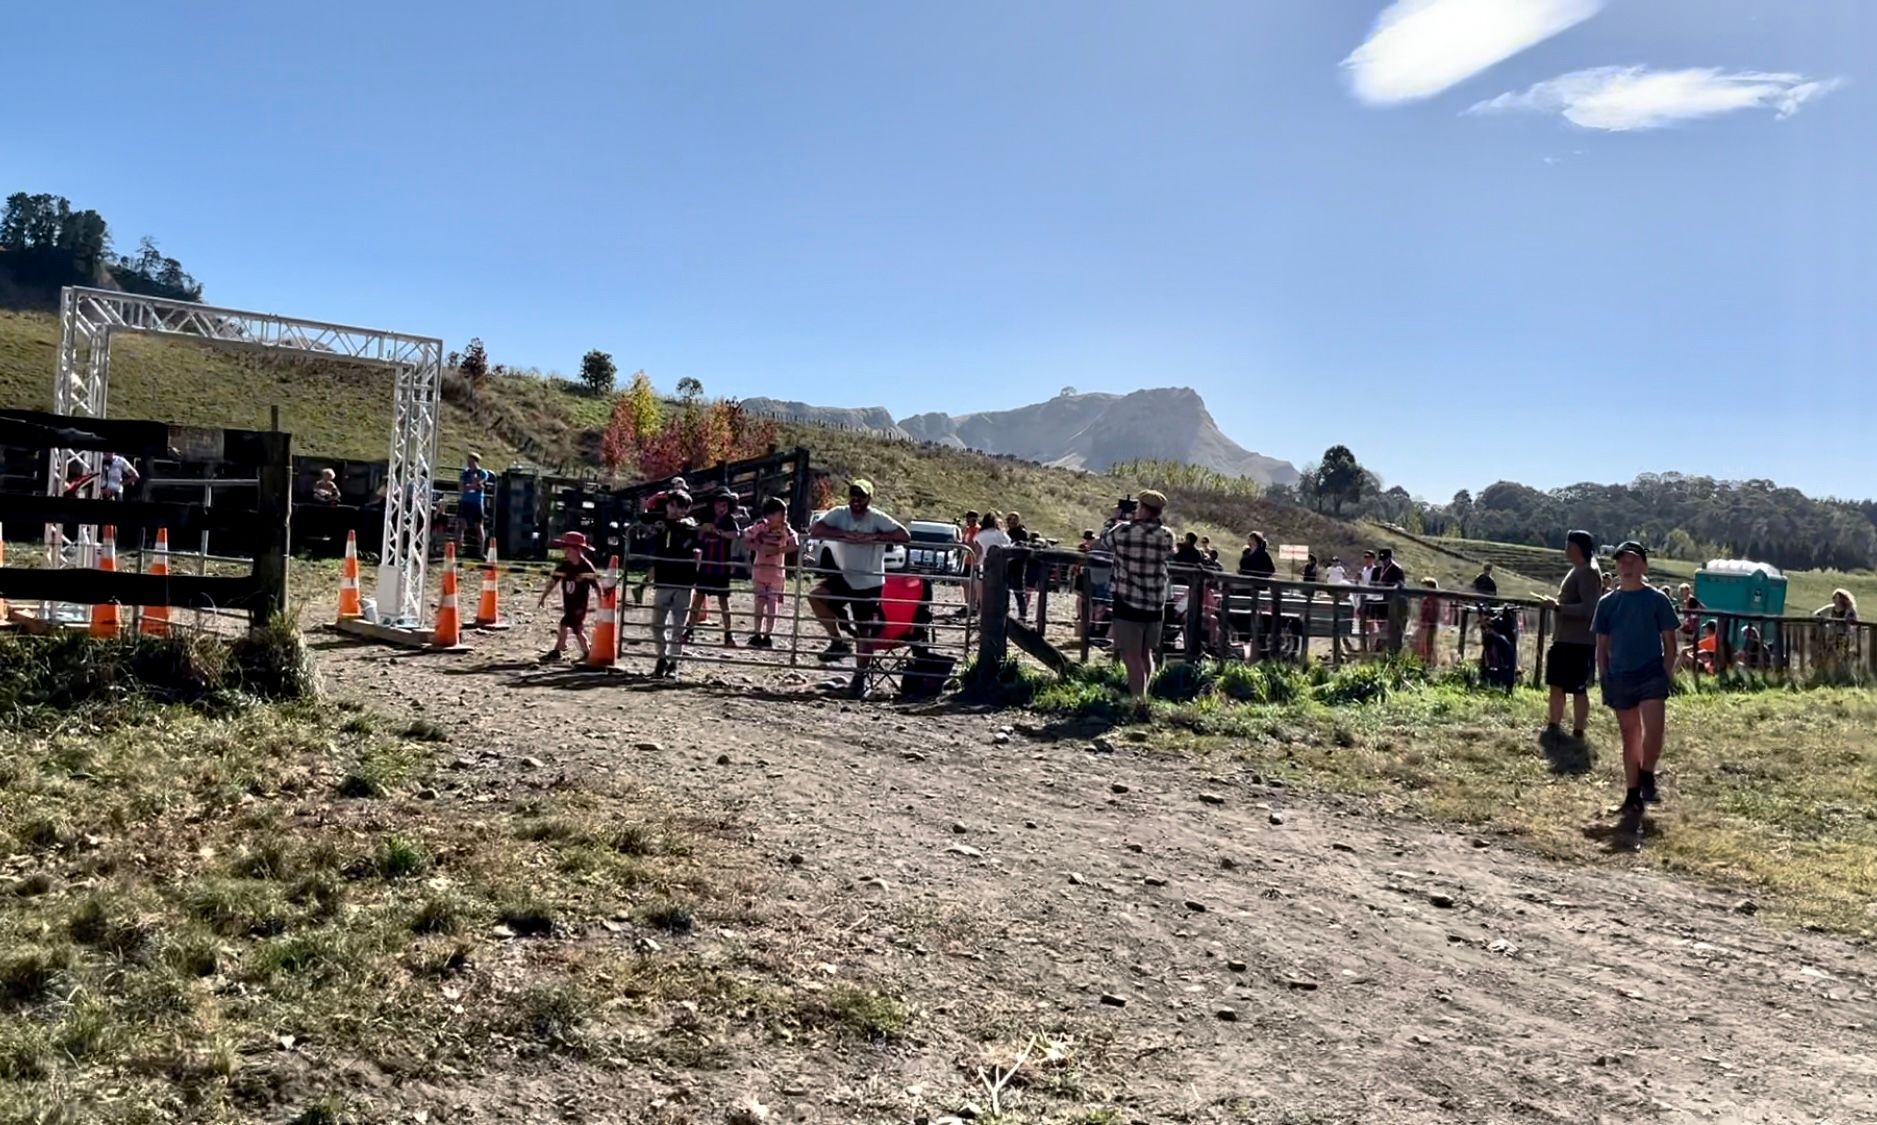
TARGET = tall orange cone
(605,650)
(449,631)
(349,605)
(155,620)
(488,612)
(104,614)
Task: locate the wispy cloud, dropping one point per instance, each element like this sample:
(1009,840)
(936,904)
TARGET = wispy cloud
(1420,47)
(1622,98)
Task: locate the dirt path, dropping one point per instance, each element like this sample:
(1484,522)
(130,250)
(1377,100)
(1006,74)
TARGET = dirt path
(1281,955)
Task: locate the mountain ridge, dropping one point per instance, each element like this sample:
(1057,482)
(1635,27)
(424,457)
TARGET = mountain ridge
(1093,430)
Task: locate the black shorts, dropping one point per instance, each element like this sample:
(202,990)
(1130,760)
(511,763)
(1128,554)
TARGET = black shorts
(1374,611)
(1625,693)
(864,604)
(575,619)
(713,583)
(1568,666)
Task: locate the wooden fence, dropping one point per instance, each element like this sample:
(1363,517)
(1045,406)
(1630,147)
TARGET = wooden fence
(1239,617)
(263,523)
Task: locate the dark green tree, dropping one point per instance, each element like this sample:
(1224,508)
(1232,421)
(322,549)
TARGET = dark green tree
(1340,478)
(598,373)
(475,362)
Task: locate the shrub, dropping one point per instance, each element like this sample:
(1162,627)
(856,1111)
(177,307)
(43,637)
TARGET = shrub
(1183,681)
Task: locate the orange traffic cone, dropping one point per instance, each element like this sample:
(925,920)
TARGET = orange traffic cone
(155,622)
(449,631)
(605,650)
(104,614)
(488,613)
(349,605)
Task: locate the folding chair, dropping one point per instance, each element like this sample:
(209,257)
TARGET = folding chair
(901,637)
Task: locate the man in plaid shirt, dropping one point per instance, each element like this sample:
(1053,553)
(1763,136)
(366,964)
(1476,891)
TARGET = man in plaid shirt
(1141,547)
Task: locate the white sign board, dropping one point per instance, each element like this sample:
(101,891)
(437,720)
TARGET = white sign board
(1293,552)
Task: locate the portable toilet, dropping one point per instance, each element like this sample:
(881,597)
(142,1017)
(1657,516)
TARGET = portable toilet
(1742,586)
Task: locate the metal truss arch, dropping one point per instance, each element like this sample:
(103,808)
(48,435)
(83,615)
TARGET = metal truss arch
(90,318)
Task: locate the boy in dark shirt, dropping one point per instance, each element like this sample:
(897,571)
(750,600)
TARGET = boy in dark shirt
(1636,629)
(715,540)
(577,580)
(675,554)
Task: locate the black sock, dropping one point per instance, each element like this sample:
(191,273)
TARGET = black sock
(1648,779)
(1633,797)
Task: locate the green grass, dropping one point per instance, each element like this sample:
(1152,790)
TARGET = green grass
(1771,791)
(189,885)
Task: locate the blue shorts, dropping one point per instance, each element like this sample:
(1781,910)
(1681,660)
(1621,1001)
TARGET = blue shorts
(1628,691)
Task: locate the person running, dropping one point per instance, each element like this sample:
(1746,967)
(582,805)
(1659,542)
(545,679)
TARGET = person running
(1636,629)
(769,540)
(715,539)
(675,555)
(474,488)
(1140,546)
(577,579)
(1573,653)
(865,534)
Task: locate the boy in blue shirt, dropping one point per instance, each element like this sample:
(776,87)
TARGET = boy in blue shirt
(1636,626)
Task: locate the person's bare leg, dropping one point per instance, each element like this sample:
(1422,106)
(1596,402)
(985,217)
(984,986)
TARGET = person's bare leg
(1652,714)
(1554,708)
(1630,724)
(723,607)
(1580,713)
(823,610)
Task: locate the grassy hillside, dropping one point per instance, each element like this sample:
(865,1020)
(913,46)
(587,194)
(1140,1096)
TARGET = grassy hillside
(331,407)
(339,409)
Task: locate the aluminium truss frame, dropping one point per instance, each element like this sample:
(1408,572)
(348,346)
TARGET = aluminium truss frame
(90,318)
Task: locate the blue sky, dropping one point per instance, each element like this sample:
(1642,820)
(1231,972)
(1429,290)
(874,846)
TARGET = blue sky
(1541,240)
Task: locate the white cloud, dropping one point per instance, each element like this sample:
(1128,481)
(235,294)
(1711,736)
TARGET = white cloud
(1621,98)
(1420,47)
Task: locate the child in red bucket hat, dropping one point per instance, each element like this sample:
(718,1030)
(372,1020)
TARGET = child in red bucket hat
(577,579)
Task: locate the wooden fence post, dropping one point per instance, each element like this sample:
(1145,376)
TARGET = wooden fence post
(1195,614)
(1544,631)
(994,612)
(1397,619)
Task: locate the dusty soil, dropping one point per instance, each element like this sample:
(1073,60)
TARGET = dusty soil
(1280,955)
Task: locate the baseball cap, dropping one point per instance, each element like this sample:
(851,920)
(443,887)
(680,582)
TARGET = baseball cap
(1153,498)
(676,483)
(1630,547)
(861,485)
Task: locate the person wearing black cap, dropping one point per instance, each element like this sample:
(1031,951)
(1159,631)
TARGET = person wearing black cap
(1636,626)
(1573,654)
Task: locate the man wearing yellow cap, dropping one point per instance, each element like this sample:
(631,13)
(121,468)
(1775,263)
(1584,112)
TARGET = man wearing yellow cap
(864,535)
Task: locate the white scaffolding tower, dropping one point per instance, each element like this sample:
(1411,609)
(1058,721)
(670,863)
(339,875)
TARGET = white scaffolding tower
(89,318)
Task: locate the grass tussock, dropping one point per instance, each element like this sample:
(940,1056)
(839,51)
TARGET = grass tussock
(205,859)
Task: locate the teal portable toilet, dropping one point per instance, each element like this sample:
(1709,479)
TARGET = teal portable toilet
(1741,586)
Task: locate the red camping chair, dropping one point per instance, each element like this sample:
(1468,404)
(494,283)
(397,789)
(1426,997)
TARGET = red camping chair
(902,634)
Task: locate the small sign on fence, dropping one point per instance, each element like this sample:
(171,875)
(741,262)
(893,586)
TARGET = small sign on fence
(1293,552)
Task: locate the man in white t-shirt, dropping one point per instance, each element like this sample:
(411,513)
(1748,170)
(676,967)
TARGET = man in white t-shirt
(863,534)
(118,474)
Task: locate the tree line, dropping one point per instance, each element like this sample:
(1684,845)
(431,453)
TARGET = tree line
(46,243)
(1686,517)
